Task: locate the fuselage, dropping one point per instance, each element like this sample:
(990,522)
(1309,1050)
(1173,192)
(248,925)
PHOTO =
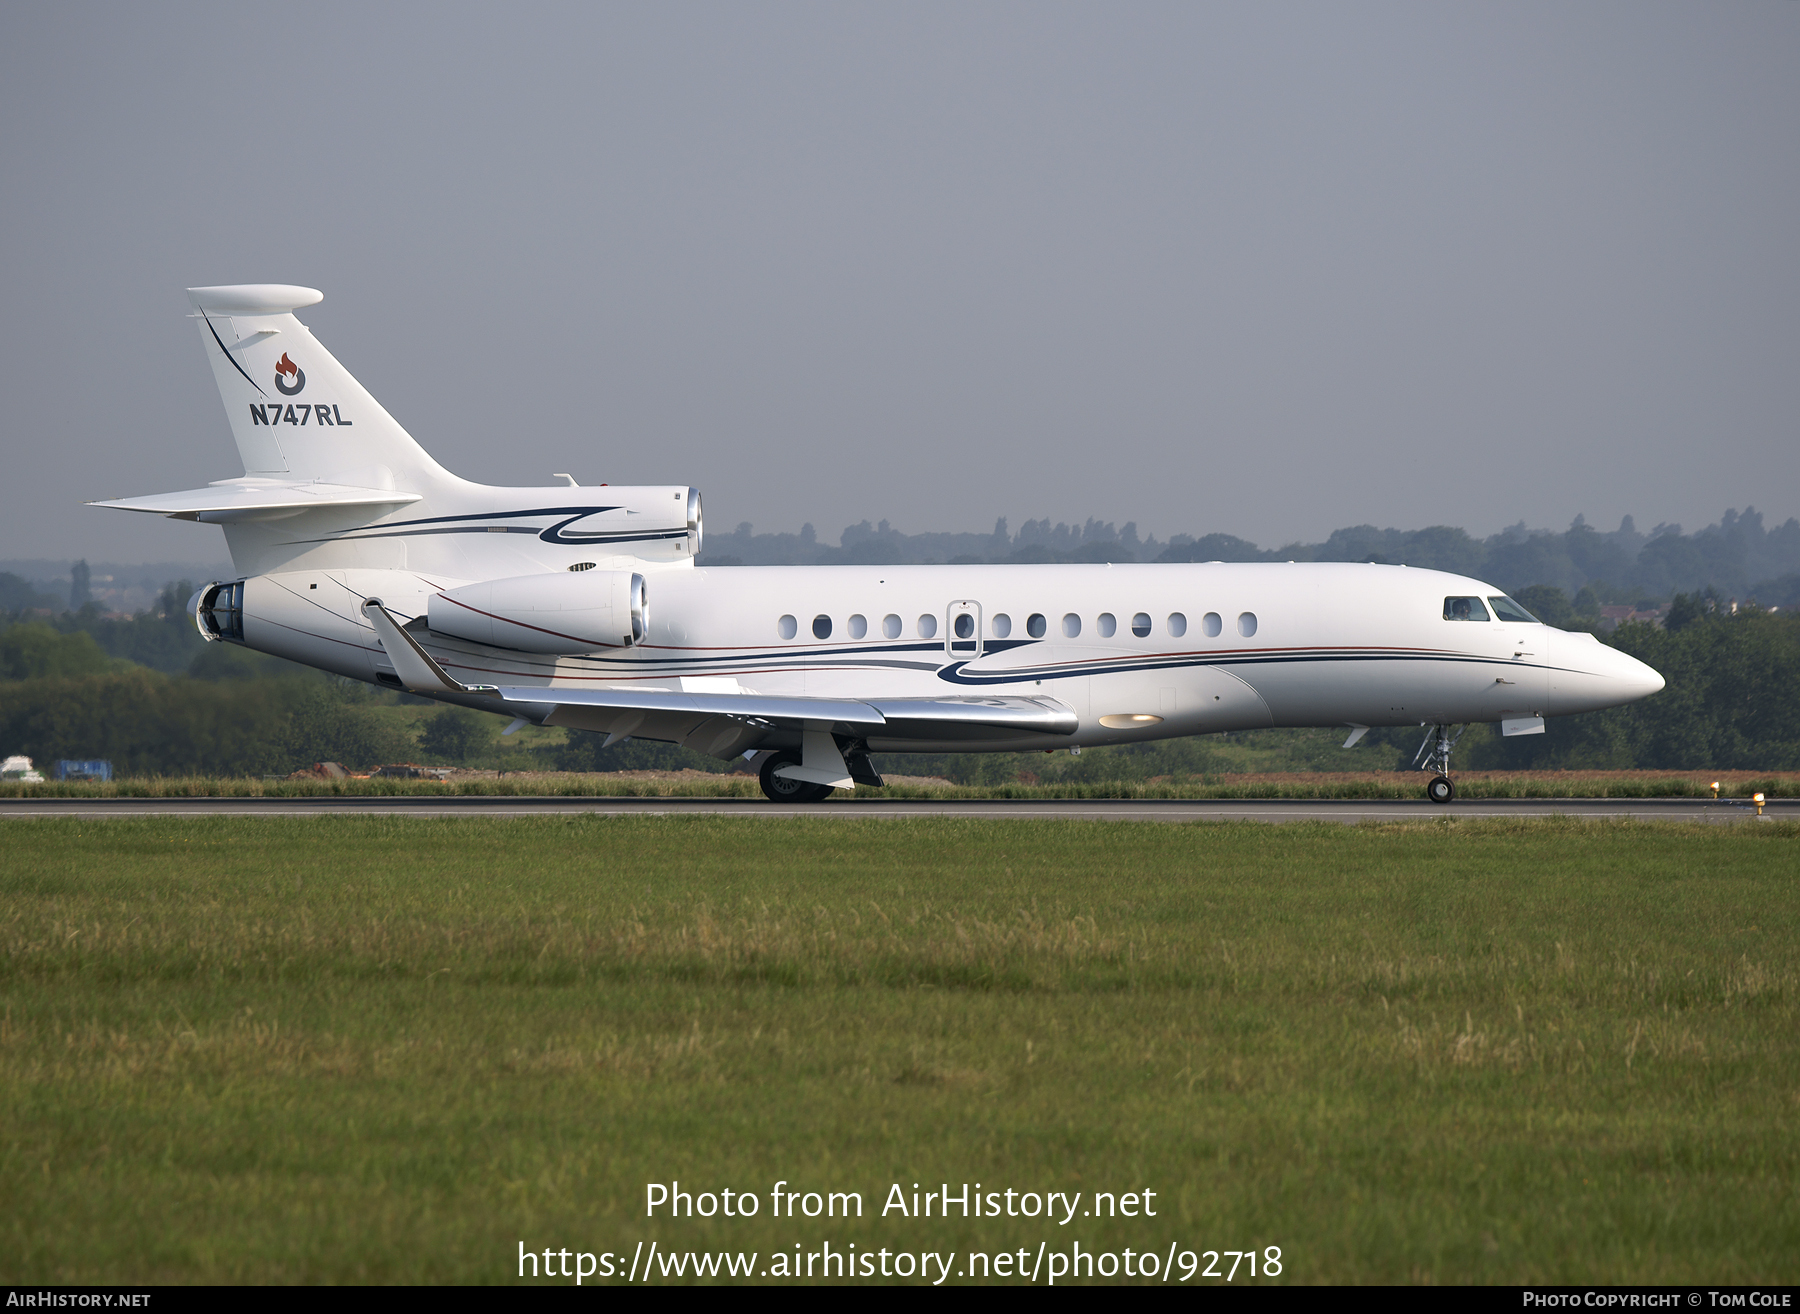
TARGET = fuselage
(1137,651)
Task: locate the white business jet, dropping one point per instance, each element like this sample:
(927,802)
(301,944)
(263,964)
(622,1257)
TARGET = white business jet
(582,607)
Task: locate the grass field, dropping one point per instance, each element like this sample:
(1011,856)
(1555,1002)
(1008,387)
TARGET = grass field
(373,1049)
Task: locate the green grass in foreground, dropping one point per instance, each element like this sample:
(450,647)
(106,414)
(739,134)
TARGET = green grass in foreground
(376,1049)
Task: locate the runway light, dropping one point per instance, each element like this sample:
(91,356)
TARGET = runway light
(1758,800)
(1715,788)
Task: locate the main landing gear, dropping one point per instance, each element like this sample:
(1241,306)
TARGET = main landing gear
(785,789)
(1434,755)
(844,761)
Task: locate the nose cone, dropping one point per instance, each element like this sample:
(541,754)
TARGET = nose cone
(1626,678)
(1642,679)
(1587,675)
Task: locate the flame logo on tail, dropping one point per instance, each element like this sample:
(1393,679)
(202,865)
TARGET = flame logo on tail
(284,368)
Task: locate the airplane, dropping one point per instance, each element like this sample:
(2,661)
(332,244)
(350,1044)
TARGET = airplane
(359,554)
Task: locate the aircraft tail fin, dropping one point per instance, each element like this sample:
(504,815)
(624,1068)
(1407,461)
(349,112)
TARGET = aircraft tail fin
(295,412)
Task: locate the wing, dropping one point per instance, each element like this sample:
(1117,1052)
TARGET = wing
(725,723)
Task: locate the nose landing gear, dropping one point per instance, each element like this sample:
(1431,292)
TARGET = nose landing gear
(1434,755)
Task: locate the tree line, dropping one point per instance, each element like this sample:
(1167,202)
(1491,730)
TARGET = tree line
(149,694)
(1738,556)
(151,724)
(1731,700)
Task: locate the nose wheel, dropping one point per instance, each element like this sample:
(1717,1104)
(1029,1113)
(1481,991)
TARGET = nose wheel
(1434,756)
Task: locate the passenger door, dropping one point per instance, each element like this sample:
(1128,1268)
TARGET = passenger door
(962,631)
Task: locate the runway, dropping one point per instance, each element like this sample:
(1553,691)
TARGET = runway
(1345,811)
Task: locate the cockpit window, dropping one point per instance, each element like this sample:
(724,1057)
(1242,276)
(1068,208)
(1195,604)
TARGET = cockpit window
(1464,609)
(1507,610)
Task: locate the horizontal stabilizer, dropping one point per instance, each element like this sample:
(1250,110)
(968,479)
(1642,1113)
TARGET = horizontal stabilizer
(256,499)
(254,298)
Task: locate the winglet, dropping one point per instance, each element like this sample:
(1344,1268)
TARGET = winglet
(415,667)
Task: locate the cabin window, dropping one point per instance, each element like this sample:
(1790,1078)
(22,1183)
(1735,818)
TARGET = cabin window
(964,626)
(1071,625)
(1140,625)
(928,626)
(859,626)
(821,627)
(1002,625)
(1108,625)
(1177,625)
(1211,624)
(1247,624)
(1036,626)
(1507,610)
(1464,609)
(890,626)
(787,627)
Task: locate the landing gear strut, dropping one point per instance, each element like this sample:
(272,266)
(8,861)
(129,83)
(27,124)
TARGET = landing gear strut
(1434,755)
(785,789)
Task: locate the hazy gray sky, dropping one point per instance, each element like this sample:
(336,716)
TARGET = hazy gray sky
(1263,269)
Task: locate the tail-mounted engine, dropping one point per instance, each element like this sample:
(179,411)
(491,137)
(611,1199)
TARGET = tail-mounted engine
(661,523)
(563,613)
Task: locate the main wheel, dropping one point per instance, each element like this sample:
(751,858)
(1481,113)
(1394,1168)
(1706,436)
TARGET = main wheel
(1440,790)
(785,789)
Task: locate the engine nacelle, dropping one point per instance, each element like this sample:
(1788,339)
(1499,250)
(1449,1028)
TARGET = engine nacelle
(563,613)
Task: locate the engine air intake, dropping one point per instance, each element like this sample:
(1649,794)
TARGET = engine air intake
(218,612)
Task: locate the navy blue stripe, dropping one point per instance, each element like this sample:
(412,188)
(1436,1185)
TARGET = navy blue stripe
(228,356)
(358,536)
(809,656)
(956,673)
(552,534)
(507,515)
